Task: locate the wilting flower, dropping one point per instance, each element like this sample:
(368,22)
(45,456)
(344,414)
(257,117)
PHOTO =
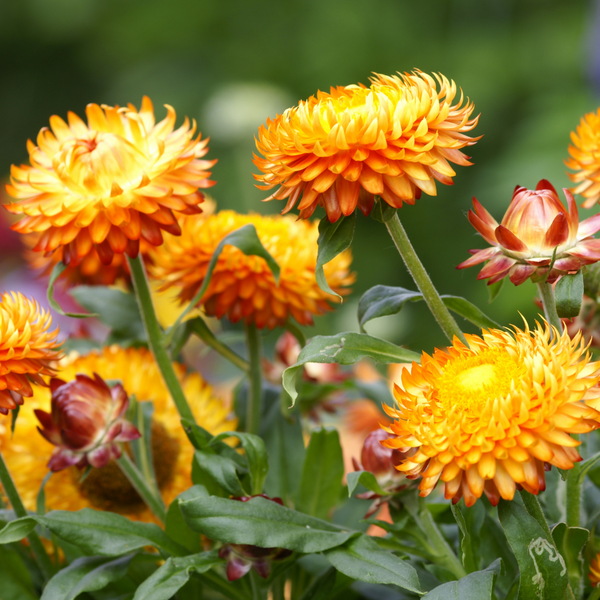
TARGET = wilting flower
(27,454)
(27,348)
(594,574)
(488,418)
(585,158)
(339,150)
(537,234)
(109,184)
(87,422)
(243,287)
(243,557)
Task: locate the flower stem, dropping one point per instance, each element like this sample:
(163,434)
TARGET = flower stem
(547,295)
(200,328)
(255,389)
(574,484)
(156,338)
(153,502)
(417,270)
(214,581)
(37,548)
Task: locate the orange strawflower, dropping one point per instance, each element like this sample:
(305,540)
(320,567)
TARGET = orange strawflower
(109,184)
(585,158)
(340,150)
(243,287)
(27,348)
(536,233)
(486,419)
(594,574)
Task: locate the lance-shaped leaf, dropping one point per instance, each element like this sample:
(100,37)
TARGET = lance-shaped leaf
(222,470)
(365,478)
(476,586)
(15,578)
(543,571)
(470,521)
(259,522)
(320,588)
(87,574)
(166,581)
(345,349)
(384,300)
(362,559)
(569,295)
(570,542)
(57,271)
(334,238)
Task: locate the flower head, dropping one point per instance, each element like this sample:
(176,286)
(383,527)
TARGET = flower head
(106,488)
(340,149)
(110,183)
(86,423)
(27,348)
(537,234)
(487,419)
(585,158)
(243,287)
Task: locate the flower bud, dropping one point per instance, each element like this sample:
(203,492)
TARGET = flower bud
(86,422)
(243,557)
(538,237)
(382,461)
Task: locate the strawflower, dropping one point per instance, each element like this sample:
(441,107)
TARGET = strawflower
(28,349)
(339,150)
(487,419)
(243,287)
(538,238)
(108,184)
(27,453)
(585,159)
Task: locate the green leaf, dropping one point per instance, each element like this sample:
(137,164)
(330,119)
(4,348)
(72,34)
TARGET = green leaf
(15,579)
(15,531)
(177,529)
(384,300)
(365,478)
(321,483)
(118,310)
(86,574)
(142,447)
(256,453)
(568,292)
(105,533)
(543,571)
(494,289)
(14,417)
(201,440)
(260,522)
(362,559)
(245,239)
(59,267)
(476,586)
(40,502)
(321,587)
(334,238)
(165,582)
(345,349)
(382,211)
(570,542)
(222,470)
(470,521)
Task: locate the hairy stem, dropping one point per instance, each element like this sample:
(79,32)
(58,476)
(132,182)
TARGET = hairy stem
(547,295)
(200,328)
(255,389)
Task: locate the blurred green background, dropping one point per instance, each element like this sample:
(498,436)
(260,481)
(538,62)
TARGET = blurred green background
(526,64)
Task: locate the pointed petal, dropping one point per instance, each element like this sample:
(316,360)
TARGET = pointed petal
(499,264)
(520,273)
(482,227)
(558,232)
(544,184)
(589,226)
(479,257)
(507,239)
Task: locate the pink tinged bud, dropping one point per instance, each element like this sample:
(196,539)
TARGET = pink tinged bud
(86,422)
(378,459)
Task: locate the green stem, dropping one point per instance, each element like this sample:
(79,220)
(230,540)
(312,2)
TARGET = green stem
(255,389)
(141,486)
(419,274)
(256,591)
(35,543)
(547,295)
(595,595)
(278,588)
(155,337)
(200,328)
(211,579)
(574,485)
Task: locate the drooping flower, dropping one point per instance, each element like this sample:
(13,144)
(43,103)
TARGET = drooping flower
(108,184)
(243,287)
(585,158)
(594,574)
(28,349)
(392,139)
(243,557)
(27,454)
(537,233)
(487,419)
(86,422)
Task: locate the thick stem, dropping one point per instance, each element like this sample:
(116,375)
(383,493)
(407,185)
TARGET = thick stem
(35,543)
(155,337)
(415,267)
(206,335)
(141,486)
(255,388)
(547,295)
(574,484)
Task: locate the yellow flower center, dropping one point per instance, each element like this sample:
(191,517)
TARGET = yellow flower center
(469,382)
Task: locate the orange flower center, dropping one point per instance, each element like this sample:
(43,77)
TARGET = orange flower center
(469,382)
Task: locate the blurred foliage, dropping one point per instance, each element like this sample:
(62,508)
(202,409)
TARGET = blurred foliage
(231,65)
